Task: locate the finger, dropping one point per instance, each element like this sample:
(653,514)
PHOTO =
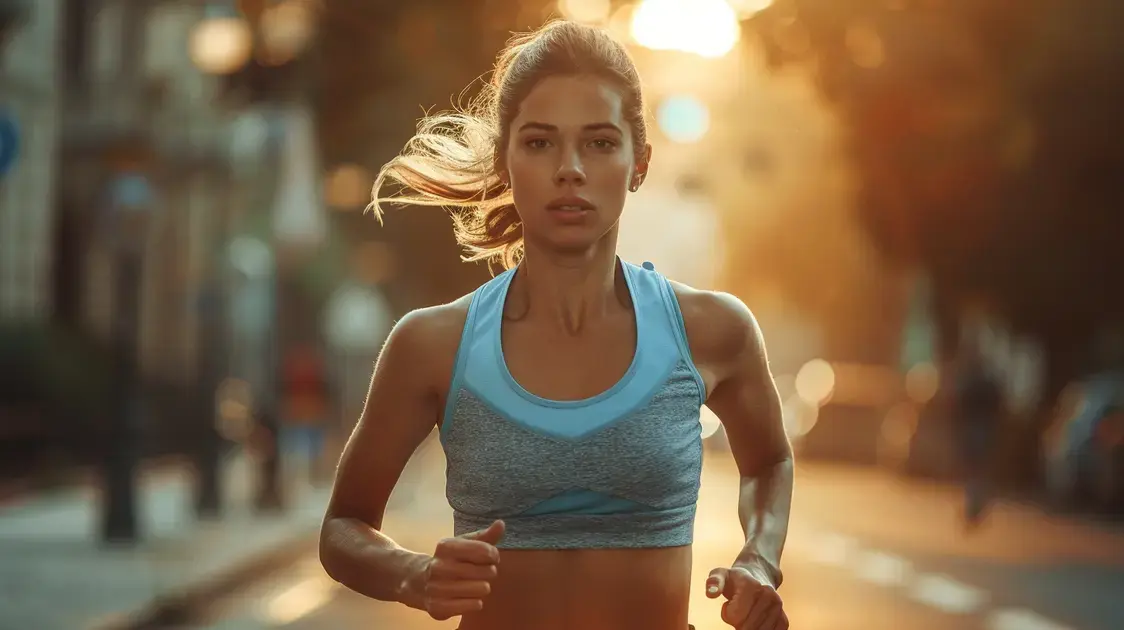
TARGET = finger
(730,619)
(775,619)
(492,535)
(465,550)
(778,620)
(760,610)
(716,583)
(443,609)
(454,570)
(458,589)
(736,610)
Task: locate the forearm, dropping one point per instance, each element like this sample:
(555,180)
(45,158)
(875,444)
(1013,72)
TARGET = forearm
(764,504)
(368,562)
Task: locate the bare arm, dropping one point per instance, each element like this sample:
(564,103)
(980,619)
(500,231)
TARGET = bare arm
(402,408)
(744,397)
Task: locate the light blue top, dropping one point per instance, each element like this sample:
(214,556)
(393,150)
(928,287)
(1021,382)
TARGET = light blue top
(620,469)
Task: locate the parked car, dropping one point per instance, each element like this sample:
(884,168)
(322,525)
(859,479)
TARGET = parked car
(1084,445)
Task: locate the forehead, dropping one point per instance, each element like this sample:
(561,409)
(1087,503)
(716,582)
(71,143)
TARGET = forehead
(572,101)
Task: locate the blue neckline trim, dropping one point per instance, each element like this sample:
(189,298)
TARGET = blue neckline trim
(633,367)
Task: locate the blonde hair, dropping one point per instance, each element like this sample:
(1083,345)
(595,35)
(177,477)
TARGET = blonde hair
(452,160)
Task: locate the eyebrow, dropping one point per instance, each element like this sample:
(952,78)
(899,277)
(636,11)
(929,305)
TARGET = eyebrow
(590,127)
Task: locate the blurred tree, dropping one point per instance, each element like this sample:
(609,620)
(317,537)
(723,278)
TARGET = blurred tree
(986,137)
(382,64)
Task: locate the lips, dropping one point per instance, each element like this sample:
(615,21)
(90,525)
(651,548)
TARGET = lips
(570,210)
(570,205)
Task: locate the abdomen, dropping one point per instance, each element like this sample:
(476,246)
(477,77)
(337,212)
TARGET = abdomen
(593,589)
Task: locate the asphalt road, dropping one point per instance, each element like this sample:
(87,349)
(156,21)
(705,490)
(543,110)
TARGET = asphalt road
(867,551)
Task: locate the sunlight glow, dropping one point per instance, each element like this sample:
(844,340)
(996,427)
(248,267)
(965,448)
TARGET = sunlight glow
(747,8)
(708,28)
(587,11)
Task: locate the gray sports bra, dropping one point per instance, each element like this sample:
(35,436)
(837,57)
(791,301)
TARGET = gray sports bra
(620,469)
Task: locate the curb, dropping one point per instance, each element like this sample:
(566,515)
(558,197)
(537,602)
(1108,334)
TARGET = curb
(179,607)
(21,490)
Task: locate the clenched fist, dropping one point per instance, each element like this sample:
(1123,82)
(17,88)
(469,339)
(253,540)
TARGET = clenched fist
(751,602)
(459,575)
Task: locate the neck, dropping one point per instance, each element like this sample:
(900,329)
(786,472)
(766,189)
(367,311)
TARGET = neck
(568,289)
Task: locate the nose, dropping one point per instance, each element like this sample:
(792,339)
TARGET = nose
(570,168)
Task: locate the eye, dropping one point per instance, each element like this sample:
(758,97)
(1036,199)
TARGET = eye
(603,143)
(538,143)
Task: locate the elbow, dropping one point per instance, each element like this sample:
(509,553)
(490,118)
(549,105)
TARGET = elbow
(328,549)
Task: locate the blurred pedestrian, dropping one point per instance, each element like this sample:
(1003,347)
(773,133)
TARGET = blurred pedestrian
(306,408)
(978,413)
(567,389)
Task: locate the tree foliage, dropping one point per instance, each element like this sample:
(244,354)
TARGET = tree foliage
(987,138)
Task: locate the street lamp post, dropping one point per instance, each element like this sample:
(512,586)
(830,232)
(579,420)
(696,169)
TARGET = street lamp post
(212,363)
(130,201)
(126,152)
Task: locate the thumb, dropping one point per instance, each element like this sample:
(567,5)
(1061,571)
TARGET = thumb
(493,535)
(716,583)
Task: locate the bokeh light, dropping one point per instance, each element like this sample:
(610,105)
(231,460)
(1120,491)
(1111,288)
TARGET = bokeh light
(815,382)
(922,382)
(798,417)
(683,119)
(286,30)
(708,28)
(221,45)
(250,256)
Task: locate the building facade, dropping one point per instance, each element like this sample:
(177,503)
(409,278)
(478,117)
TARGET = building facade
(29,72)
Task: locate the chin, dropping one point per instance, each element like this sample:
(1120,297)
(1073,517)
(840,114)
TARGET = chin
(571,244)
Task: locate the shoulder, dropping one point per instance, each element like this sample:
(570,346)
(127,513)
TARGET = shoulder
(425,340)
(435,325)
(721,329)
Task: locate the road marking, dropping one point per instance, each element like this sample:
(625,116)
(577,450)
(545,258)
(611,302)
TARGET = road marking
(310,592)
(948,595)
(832,549)
(936,591)
(882,568)
(1021,619)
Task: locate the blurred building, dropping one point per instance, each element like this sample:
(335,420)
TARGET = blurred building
(127,149)
(141,121)
(29,71)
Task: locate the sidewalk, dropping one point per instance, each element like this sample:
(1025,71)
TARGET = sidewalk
(57,575)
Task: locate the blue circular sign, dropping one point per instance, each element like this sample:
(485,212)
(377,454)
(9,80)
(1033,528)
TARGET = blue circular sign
(9,141)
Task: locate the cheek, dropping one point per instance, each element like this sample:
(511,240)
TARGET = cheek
(611,174)
(529,185)
(616,166)
(524,172)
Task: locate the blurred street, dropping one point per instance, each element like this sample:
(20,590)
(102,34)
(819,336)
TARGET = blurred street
(917,200)
(866,552)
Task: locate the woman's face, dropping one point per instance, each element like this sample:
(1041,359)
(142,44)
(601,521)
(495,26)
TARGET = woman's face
(570,160)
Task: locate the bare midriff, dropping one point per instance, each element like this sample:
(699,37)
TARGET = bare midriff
(592,589)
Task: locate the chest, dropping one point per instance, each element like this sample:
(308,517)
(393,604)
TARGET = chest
(504,456)
(558,366)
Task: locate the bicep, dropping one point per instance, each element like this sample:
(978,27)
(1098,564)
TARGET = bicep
(400,412)
(745,399)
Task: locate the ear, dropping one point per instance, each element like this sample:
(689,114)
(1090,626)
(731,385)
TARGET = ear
(641,168)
